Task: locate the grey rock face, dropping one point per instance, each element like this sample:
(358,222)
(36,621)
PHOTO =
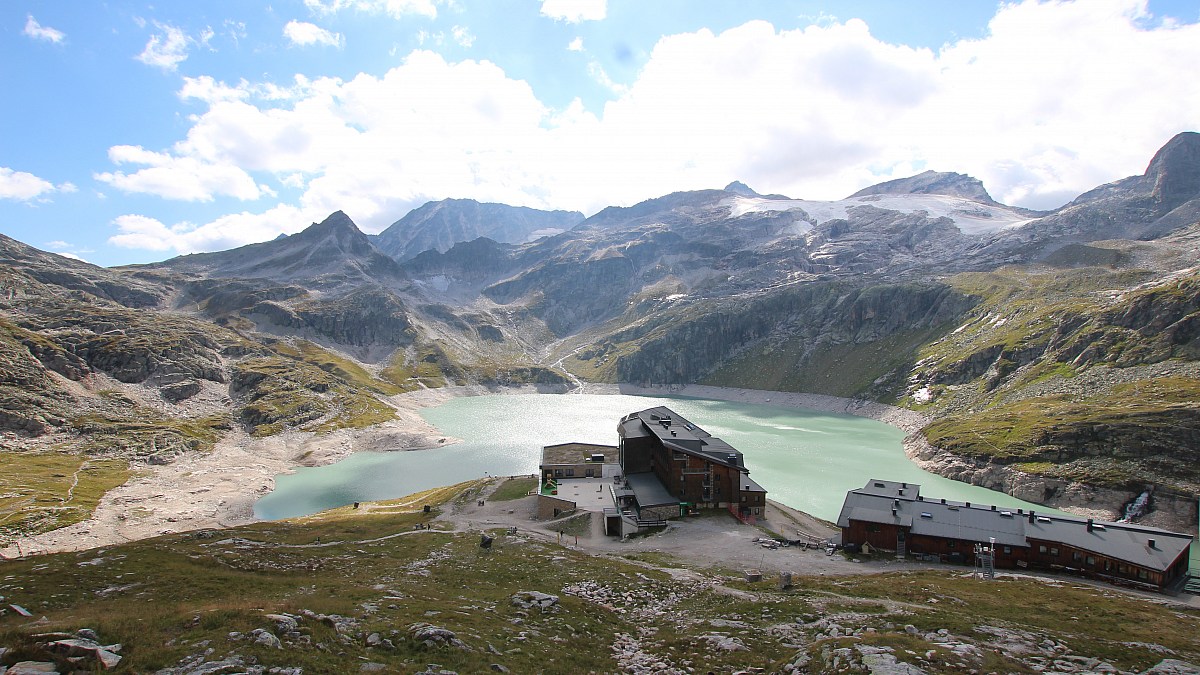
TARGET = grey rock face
(932,183)
(440,225)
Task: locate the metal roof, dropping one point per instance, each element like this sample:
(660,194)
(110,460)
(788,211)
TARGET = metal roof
(875,502)
(649,491)
(680,435)
(748,484)
(1122,541)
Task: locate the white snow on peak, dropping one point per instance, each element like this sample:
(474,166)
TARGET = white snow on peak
(969,216)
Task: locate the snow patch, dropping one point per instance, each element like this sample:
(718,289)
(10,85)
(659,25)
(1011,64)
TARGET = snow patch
(439,282)
(969,216)
(922,395)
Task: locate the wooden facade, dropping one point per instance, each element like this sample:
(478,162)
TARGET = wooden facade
(895,517)
(695,468)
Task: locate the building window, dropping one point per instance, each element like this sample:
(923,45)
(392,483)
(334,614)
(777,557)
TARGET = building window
(1091,560)
(570,472)
(1054,550)
(872,528)
(952,544)
(1041,549)
(558,473)
(1008,549)
(1142,574)
(1076,556)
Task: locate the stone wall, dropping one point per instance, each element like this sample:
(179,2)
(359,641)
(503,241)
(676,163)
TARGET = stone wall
(659,512)
(553,507)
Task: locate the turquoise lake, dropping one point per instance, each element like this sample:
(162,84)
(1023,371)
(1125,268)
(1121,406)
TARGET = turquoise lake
(806,460)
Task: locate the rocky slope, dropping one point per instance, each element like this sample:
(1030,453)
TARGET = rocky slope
(440,225)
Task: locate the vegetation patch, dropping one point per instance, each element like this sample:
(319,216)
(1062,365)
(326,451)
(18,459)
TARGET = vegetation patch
(339,367)
(514,488)
(420,366)
(144,434)
(285,393)
(1130,431)
(42,492)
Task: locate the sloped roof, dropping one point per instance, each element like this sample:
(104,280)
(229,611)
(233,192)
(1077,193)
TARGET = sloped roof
(874,503)
(1123,541)
(680,435)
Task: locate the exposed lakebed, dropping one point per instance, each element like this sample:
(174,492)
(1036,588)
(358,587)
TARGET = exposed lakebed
(805,459)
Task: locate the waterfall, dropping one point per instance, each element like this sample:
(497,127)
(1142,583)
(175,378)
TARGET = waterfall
(1136,508)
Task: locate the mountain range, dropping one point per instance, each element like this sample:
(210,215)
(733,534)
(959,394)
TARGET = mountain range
(1056,354)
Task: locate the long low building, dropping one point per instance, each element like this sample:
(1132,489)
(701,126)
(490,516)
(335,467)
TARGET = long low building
(893,516)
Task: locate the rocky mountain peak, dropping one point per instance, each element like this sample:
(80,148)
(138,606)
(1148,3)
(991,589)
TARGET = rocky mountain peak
(339,229)
(442,224)
(932,183)
(1175,170)
(739,188)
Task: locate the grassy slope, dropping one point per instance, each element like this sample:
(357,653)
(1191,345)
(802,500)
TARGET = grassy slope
(1040,331)
(847,370)
(42,492)
(173,597)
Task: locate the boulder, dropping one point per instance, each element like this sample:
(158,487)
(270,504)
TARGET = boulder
(534,600)
(428,635)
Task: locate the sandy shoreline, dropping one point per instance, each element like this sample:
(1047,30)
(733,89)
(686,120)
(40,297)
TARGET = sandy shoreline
(219,488)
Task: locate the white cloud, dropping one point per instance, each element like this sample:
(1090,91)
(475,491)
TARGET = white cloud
(462,35)
(37,31)
(236,30)
(302,33)
(237,229)
(394,8)
(167,49)
(22,186)
(1054,100)
(205,88)
(574,11)
(181,178)
(576,45)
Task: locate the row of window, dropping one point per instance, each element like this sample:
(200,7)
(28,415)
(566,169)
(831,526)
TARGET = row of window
(570,473)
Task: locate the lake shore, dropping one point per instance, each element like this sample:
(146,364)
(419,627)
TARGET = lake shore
(219,488)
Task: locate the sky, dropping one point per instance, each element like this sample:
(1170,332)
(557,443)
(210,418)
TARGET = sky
(134,132)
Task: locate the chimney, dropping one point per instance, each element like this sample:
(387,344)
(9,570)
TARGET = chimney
(895,504)
(993,507)
(967,504)
(1031,515)
(943,500)
(1020,511)
(1150,543)
(893,511)
(1089,525)
(904,485)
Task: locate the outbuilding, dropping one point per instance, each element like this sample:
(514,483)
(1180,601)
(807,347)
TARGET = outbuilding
(893,516)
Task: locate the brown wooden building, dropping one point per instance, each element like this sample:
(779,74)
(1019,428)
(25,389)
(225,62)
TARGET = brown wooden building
(894,516)
(695,469)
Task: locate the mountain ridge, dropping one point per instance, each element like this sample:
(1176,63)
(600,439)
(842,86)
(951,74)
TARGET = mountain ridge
(438,225)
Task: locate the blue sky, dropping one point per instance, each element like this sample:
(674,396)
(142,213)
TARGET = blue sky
(134,132)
